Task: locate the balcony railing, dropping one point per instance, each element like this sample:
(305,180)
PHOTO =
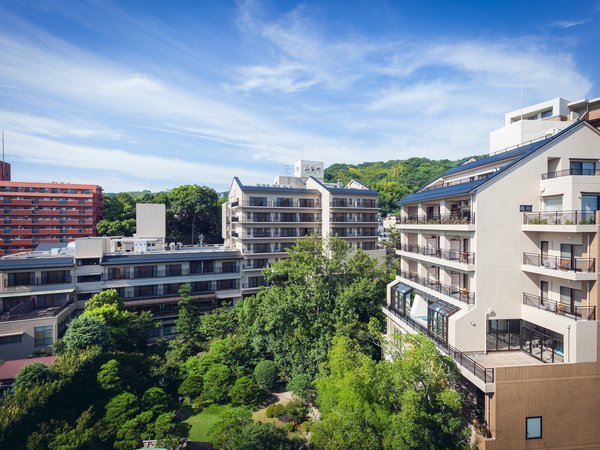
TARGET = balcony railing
(438,219)
(36,313)
(458,293)
(448,255)
(567,172)
(483,373)
(562,309)
(560,218)
(573,264)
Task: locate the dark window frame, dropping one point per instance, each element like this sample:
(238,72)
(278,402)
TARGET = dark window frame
(527,424)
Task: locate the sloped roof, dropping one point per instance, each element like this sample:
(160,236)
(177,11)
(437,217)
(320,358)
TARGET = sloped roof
(10,369)
(518,154)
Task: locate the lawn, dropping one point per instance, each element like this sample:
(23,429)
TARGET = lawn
(202,423)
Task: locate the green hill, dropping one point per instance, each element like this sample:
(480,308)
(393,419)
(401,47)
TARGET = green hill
(392,179)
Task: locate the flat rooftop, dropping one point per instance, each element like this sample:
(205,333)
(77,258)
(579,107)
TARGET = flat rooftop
(505,359)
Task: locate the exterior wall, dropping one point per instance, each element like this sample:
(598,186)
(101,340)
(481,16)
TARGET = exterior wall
(37,213)
(151,220)
(523,131)
(5,172)
(564,395)
(500,244)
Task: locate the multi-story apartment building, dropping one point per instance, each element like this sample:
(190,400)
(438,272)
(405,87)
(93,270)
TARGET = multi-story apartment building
(262,221)
(38,213)
(543,120)
(41,291)
(499,267)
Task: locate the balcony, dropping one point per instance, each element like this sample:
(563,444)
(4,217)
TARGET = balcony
(574,264)
(464,222)
(448,255)
(560,218)
(570,172)
(485,374)
(559,308)
(52,311)
(455,292)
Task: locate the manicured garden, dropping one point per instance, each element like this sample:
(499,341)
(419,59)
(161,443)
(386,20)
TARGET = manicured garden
(203,422)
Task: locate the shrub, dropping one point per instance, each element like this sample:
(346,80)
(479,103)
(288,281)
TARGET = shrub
(217,382)
(265,374)
(244,392)
(305,426)
(301,385)
(275,410)
(296,411)
(191,387)
(33,375)
(289,427)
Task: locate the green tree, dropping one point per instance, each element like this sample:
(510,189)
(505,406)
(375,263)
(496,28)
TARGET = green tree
(120,409)
(244,392)
(265,374)
(302,386)
(32,375)
(189,337)
(216,383)
(193,211)
(229,426)
(191,387)
(108,377)
(133,431)
(218,323)
(84,332)
(314,294)
(407,403)
(156,400)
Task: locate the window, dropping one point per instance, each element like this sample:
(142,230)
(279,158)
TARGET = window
(582,167)
(89,278)
(43,336)
(258,201)
(525,208)
(533,427)
(169,329)
(14,339)
(546,114)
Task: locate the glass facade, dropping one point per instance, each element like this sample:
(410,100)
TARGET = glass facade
(43,336)
(515,334)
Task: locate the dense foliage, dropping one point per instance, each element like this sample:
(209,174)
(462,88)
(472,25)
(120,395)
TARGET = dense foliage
(191,210)
(408,403)
(313,295)
(392,179)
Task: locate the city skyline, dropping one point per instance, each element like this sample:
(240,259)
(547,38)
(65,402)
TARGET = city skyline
(139,96)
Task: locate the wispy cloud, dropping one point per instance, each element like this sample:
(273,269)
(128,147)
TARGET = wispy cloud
(570,23)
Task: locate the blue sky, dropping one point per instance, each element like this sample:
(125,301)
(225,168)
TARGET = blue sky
(152,95)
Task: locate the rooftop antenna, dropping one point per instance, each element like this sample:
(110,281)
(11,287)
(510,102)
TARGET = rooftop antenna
(2,155)
(287,170)
(521,93)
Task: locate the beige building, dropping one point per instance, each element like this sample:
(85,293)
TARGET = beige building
(41,291)
(499,268)
(262,221)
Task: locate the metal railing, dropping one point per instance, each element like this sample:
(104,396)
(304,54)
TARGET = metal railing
(562,309)
(277,204)
(568,172)
(486,374)
(46,312)
(457,293)
(449,255)
(560,218)
(438,219)
(572,264)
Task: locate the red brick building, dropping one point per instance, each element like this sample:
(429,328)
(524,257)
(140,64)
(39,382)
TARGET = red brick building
(38,213)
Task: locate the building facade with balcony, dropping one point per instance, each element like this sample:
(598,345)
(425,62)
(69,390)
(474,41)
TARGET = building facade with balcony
(499,268)
(46,213)
(41,291)
(263,221)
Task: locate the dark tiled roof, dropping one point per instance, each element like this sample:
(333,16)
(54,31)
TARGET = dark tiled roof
(447,191)
(35,262)
(518,154)
(164,257)
(271,189)
(48,247)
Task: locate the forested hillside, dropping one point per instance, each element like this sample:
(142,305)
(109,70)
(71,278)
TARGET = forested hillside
(392,179)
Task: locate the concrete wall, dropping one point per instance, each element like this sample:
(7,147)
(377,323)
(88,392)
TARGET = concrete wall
(565,395)
(151,220)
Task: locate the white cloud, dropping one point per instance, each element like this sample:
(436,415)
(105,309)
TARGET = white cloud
(570,23)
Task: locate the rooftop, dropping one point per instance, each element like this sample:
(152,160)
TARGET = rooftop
(10,369)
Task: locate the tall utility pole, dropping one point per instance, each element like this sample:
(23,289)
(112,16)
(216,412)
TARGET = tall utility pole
(2,155)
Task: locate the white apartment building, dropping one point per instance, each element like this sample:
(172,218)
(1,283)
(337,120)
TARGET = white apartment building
(499,268)
(542,120)
(41,291)
(262,221)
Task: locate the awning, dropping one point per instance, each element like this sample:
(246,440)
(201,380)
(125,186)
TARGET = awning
(34,293)
(403,288)
(445,309)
